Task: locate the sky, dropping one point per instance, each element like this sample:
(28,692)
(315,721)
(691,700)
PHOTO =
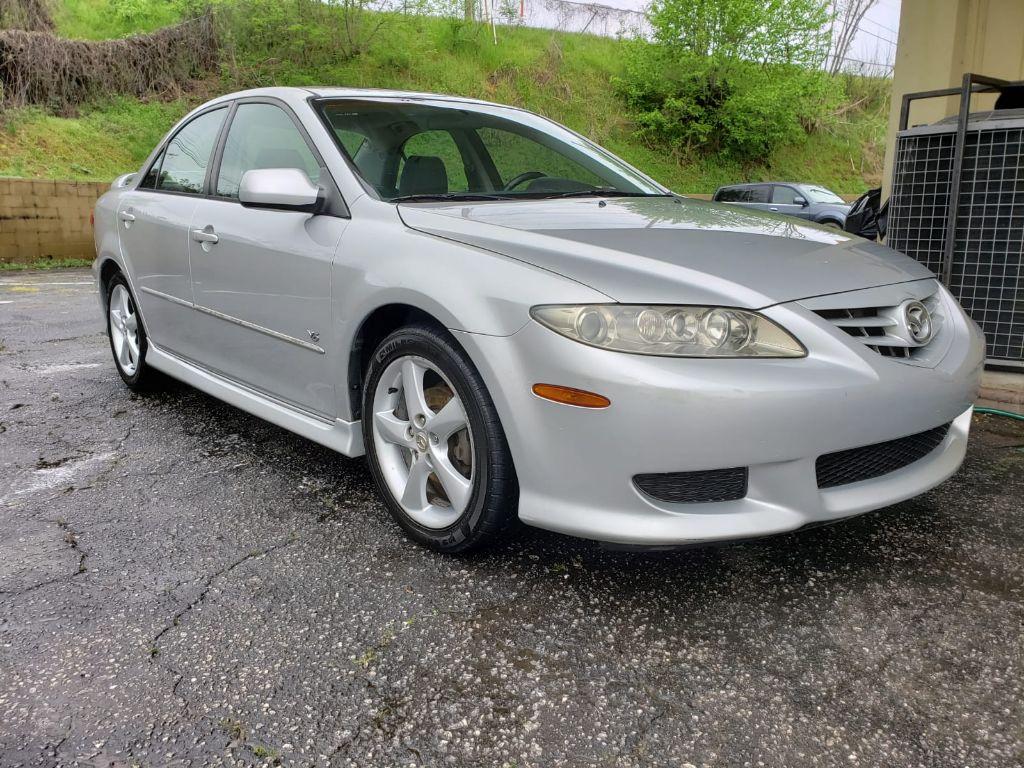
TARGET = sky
(877,39)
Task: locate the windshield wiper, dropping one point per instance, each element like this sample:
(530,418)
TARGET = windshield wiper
(446,196)
(601,192)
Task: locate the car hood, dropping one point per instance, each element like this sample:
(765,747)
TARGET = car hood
(670,250)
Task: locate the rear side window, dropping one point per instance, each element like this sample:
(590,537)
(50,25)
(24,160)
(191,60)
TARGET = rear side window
(150,179)
(756,194)
(183,164)
(729,195)
(262,136)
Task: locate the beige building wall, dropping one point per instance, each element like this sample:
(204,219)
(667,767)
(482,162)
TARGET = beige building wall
(939,40)
(47,219)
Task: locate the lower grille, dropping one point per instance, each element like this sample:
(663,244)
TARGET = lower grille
(695,487)
(856,464)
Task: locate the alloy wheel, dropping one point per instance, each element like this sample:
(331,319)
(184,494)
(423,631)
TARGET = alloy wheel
(423,441)
(124,330)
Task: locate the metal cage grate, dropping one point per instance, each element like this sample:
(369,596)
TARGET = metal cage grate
(987,270)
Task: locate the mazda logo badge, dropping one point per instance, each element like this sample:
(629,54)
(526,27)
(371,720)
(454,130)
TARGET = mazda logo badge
(918,321)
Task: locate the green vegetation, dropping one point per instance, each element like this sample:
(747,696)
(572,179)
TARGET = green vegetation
(105,19)
(6,266)
(735,78)
(105,141)
(570,78)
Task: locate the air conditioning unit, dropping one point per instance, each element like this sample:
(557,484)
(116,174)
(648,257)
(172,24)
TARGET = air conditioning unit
(983,265)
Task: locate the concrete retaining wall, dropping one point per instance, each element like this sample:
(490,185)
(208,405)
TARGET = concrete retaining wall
(47,219)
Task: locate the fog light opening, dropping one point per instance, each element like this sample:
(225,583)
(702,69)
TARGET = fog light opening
(570,396)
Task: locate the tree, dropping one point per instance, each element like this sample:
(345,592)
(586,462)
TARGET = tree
(758,31)
(736,77)
(849,14)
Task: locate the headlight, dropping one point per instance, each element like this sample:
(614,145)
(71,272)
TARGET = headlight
(671,331)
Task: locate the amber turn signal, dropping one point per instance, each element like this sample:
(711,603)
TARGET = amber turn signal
(570,396)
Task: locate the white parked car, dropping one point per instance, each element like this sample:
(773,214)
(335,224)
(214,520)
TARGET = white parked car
(510,321)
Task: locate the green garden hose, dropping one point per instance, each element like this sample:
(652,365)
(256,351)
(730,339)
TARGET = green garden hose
(998,412)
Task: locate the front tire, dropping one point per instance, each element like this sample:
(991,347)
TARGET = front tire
(434,442)
(127,337)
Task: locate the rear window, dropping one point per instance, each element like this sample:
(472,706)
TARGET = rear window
(759,194)
(729,195)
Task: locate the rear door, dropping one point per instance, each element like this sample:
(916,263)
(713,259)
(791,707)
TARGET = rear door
(153,223)
(262,278)
(784,199)
(758,196)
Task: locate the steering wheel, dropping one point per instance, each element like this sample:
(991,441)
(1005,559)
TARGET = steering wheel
(522,177)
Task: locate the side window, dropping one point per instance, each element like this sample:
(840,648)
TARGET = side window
(262,136)
(150,179)
(513,155)
(784,195)
(728,195)
(184,163)
(758,194)
(434,144)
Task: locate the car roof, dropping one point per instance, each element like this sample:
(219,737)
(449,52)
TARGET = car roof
(763,183)
(354,93)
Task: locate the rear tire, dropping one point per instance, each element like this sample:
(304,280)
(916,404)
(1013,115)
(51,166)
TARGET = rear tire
(434,442)
(128,342)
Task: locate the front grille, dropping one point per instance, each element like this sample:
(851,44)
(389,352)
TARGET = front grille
(878,327)
(695,487)
(856,464)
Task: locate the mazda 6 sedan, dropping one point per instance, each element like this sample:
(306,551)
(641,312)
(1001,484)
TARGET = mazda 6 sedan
(510,322)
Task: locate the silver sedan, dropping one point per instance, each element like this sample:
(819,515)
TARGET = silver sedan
(509,321)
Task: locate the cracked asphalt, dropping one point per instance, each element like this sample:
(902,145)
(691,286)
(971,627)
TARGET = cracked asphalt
(184,585)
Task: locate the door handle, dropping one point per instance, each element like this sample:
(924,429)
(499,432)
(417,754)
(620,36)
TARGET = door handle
(204,236)
(127,217)
(773,209)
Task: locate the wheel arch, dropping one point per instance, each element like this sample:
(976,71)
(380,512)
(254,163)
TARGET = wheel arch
(107,269)
(830,219)
(375,326)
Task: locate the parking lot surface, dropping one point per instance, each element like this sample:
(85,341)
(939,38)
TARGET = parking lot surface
(182,584)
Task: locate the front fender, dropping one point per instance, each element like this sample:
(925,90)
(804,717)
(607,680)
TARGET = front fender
(463,287)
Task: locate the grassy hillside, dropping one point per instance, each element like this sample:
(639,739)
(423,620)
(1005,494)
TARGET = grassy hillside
(566,77)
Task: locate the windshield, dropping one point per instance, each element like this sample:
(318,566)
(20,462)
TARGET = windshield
(822,195)
(412,150)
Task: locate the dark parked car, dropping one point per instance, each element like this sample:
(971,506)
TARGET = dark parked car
(805,201)
(868,216)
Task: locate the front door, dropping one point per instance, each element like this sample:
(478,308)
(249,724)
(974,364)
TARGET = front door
(262,278)
(784,200)
(153,223)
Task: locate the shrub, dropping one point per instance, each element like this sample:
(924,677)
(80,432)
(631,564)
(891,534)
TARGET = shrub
(39,68)
(729,76)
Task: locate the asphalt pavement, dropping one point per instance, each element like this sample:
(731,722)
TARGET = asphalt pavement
(182,584)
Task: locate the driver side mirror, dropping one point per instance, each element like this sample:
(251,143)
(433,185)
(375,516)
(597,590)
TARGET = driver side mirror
(801,201)
(287,189)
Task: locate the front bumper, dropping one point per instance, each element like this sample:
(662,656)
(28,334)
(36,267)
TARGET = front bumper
(576,466)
